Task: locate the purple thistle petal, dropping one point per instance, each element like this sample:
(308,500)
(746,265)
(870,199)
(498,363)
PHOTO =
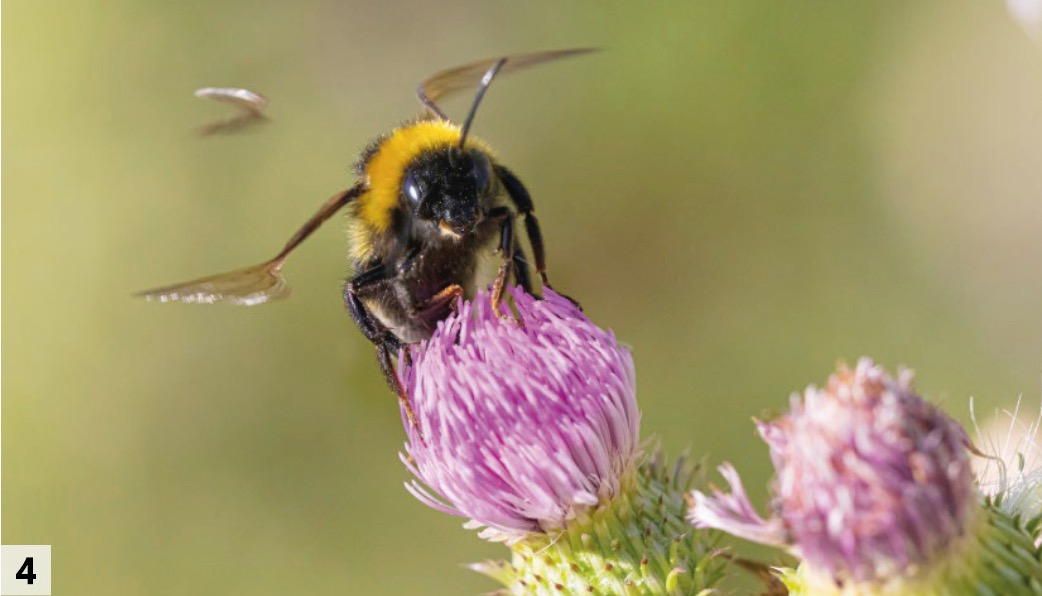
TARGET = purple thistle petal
(734,513)
(523,425)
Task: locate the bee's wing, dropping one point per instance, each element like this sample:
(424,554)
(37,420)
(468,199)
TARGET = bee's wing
(257,284)
(449,81)
(253,285)
(250,104)
(241,98)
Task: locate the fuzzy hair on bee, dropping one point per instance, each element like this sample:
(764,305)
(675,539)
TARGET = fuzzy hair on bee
(430,200)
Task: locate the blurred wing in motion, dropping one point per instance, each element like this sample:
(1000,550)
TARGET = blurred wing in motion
(253,285)
(250,105)
(257,284)
(447,82)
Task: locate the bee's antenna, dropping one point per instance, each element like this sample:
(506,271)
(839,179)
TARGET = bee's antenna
(485,82)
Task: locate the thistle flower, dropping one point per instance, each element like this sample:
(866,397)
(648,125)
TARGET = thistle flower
(531,431)
(874,491)
(524,425)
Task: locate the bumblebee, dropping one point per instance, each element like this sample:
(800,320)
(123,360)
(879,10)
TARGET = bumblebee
(429,201)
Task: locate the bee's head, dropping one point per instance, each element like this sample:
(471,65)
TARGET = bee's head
(448,187)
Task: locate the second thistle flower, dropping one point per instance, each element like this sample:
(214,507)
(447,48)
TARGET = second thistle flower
(874,491)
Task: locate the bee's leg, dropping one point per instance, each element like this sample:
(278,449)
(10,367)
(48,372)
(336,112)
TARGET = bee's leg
(523,201)
(383,356)
(450,295)
(519,195)
(374,330)
(506,251)
(521,276)
(362,283)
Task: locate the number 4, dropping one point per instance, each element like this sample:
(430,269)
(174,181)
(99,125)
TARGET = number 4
(26,571)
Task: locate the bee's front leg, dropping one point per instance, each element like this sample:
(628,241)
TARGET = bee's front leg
(506,251)
(450,294)
(523,201)
(521,274)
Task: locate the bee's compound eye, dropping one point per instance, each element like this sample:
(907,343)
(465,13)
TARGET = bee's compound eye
(412,188)
(481,170)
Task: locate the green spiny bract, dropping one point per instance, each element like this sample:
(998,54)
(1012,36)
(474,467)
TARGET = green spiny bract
(639,543)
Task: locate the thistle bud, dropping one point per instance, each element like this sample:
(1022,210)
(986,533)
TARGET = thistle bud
(875,493)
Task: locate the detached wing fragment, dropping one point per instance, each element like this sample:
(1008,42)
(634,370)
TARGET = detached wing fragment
(249,104)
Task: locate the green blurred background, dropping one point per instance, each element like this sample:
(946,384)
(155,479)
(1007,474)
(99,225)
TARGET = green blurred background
(745,191)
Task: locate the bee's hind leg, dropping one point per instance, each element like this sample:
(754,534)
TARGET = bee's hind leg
(382,338)
(383,356)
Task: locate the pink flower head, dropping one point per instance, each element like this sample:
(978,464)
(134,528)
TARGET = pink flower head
(523,425)
(872,480)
